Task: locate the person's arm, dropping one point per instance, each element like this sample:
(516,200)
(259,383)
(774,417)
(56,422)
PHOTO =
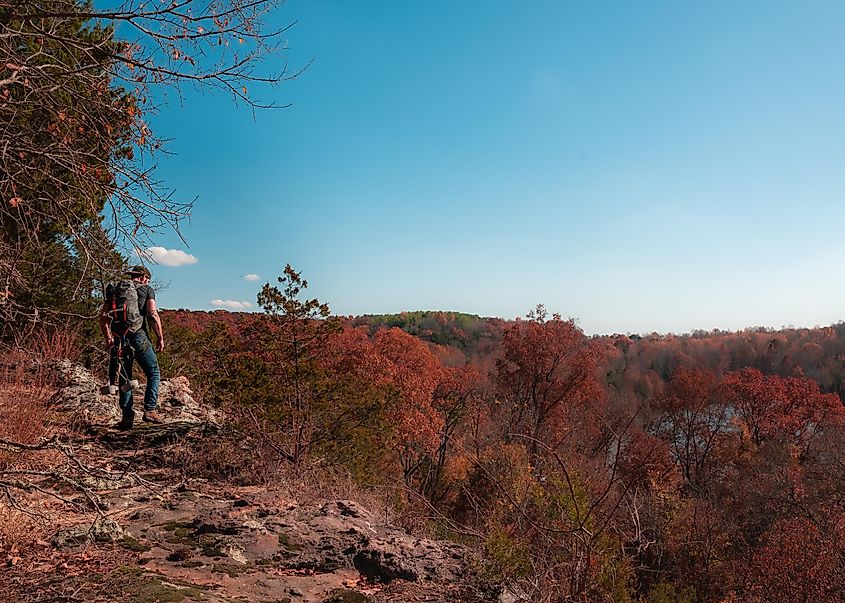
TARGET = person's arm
(105,326)
(155,320)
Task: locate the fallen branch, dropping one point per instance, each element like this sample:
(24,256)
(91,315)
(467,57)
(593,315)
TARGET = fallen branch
(73,474)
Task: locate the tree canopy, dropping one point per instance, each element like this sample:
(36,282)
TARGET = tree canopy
(77,155)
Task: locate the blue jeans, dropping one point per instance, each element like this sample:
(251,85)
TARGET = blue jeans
(135,346)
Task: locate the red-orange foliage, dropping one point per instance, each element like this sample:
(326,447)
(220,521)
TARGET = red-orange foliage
(692,482)
(644,459)
(790,409)
(800,560)
(456,394)
(405,367)
(691,421)
(548,368)
(688,390)
(413,370)
(457,385)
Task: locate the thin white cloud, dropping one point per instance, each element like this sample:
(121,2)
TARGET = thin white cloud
(231,304)
(251,277)
(169,257)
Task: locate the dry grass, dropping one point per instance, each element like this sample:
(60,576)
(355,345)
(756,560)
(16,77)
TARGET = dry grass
(26,383)
(26,386)
(56,344)
(23,418)
(226,457)
(315,483)
(24,405)
(236,457)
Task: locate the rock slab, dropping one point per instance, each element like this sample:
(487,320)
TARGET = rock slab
(80,394)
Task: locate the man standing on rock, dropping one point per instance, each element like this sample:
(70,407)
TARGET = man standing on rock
(127,340)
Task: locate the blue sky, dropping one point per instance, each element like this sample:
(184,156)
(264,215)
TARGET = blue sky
(640,166)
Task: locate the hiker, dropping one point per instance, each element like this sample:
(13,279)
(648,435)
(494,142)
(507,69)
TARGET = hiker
(129,306)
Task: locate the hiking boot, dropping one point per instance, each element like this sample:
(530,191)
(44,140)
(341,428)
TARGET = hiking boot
(125,424)
(151,416)
(108,390)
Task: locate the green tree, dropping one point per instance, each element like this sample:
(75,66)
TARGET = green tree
(63,132)
(291,346)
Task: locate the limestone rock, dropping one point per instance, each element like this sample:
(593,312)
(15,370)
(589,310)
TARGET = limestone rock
(344,534)
(104,529)
(80,394)
(334,536)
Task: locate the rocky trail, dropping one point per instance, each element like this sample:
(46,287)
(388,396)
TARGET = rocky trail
(128,527)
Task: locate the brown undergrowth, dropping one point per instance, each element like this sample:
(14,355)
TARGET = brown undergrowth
(224,461)
(26,385)
(235,457)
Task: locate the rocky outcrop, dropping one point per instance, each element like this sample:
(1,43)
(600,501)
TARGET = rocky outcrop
(256,546)
(162,534)
(344,534)
(80,394)
(336,535)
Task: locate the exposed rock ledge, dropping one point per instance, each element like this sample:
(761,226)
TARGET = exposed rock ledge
(178,540)
(80,394)
(258,547)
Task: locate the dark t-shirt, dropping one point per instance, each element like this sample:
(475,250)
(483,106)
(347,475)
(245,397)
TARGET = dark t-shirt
(145,292)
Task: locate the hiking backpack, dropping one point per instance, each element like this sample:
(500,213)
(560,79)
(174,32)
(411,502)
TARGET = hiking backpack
(123,308)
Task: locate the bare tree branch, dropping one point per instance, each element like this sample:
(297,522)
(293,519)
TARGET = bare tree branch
(77,154)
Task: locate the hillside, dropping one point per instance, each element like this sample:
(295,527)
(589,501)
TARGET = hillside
(127,516)
(606,468)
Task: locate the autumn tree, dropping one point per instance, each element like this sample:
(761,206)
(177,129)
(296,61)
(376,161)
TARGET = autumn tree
(401,374)
(547,370)
(691,419)
(781,466)
(456,393)
(413,372)
(791,409)
(559,523)
(798,560)
(266,369)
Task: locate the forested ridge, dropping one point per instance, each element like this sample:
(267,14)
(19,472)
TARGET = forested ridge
(697,467)
(817,353)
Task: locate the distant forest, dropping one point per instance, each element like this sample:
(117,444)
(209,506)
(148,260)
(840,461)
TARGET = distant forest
(636,364)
